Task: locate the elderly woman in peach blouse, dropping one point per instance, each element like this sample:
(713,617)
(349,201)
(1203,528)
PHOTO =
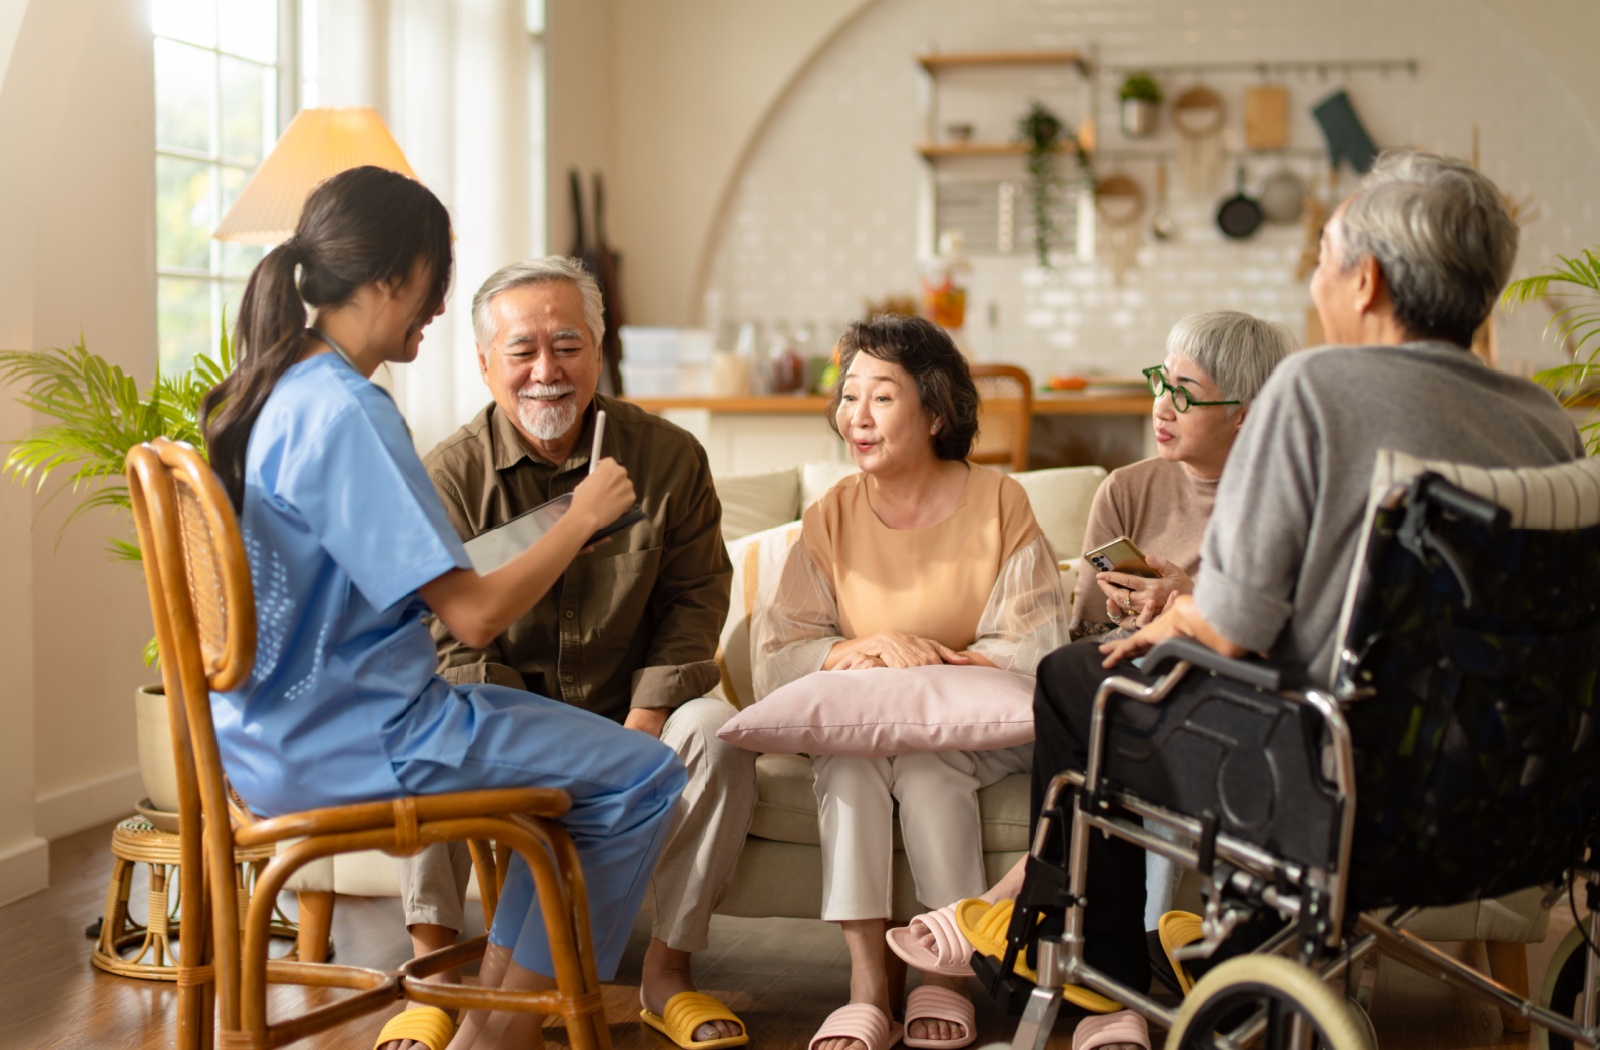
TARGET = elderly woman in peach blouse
(921,558)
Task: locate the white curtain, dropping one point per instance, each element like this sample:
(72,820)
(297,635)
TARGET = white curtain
(451,79)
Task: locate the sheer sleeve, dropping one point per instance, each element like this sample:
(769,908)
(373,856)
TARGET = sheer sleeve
(795,626)
(1026,617)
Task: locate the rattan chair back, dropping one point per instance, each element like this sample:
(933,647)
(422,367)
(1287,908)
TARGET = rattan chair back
(1005,416)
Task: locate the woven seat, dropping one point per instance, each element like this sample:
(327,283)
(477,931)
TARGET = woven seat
(204,608)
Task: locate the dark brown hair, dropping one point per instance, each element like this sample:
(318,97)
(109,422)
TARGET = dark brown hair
(361,226)
(930,358)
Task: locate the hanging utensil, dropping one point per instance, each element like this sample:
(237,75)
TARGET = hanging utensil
(1266,116)
(1162,228)
(1120,201)
(1197,114)
(1283,197)
(1239,216)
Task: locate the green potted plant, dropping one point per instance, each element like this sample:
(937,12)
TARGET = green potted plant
(96,413)
(1046,138)
(1141,100)
(1577,327)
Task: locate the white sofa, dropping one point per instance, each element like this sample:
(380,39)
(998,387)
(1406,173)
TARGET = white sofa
(780,871)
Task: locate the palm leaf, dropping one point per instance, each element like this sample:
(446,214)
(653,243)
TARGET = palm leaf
(97,414)
(1576,326)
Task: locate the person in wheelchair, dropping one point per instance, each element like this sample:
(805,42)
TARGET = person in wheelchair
(1409,267)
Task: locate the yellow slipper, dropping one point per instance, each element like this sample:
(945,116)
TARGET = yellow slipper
(427,1025)
(1176,929)
(687,1011)
(984,925)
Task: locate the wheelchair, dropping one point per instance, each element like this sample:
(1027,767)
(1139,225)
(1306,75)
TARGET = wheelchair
(1455,757)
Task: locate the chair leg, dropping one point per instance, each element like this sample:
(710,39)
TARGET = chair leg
(316,923)
(1508,964)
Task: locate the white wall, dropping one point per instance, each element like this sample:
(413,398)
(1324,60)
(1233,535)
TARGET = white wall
(823,213)
(77,215)
(697,80)
(694,79)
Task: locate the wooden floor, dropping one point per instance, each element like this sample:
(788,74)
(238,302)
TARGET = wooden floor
(781,975)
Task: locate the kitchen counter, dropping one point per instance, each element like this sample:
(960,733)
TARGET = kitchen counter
(1044,404)
(743,434)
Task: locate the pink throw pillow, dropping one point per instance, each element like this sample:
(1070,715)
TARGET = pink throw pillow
(889,711)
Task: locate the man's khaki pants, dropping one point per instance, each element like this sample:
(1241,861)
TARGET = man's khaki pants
(696,867)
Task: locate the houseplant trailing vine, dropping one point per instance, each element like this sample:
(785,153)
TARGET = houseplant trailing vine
(1577,328)
(1046,137)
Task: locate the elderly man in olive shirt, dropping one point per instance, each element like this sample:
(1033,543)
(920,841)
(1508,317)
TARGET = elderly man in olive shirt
(630,630)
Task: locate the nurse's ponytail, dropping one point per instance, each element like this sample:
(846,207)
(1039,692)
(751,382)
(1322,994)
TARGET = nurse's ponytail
(359,227)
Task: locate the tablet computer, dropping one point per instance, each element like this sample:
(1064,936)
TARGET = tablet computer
(492,549)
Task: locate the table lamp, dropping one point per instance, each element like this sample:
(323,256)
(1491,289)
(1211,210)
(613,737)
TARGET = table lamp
(318,143)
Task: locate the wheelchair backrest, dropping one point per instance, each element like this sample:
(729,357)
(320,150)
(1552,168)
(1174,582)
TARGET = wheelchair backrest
(1471,651)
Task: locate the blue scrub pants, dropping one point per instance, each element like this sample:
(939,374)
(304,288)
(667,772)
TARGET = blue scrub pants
(624,786)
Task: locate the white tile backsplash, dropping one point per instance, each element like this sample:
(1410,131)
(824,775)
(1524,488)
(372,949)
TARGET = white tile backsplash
(823,215)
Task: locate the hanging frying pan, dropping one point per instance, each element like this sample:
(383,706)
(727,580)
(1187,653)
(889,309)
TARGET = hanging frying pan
(1240,215)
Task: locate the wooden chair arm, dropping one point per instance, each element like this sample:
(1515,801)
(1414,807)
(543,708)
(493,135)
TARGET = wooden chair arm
(371,816)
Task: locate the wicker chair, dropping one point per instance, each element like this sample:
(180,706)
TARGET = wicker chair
(1005,416)
(204,609)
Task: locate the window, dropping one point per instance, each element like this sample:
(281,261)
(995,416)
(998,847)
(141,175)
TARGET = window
(222,88)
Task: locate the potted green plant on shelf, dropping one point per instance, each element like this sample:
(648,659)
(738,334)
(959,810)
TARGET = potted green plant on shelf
(1577,329)
(96,413)
(1046,137)
(1141,100)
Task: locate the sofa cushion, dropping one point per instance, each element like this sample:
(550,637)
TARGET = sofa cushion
(1061,497)
(786,806)
(890,711)
(817,477)
(758,501)
(756,558)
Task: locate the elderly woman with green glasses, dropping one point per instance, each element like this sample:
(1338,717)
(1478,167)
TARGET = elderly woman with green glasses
(1215,365)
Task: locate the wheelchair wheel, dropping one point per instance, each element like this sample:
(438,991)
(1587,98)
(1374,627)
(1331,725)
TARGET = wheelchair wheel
(1281,990)
(1563,982)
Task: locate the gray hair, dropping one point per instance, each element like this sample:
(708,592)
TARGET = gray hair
(1441,234)
(1236,350)
(547,270)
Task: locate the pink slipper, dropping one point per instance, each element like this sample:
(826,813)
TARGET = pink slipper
(1124,1026)
(950,951)
(860,1021)
(928,1003)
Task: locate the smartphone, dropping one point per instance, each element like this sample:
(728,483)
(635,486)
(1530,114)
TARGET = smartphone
(1120,555)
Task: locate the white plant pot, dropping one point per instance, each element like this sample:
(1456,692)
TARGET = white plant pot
(153,730)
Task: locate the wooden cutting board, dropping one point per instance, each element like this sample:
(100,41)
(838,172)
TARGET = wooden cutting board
(1266,116)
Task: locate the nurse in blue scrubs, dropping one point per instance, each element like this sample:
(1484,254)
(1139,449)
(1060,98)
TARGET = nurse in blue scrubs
(350,548)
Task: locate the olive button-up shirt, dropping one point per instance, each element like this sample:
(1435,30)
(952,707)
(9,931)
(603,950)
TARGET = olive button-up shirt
(632,623)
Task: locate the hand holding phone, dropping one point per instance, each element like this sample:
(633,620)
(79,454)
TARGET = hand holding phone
(1120,555)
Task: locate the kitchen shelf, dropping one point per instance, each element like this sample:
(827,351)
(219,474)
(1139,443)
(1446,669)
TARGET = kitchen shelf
(937,61)
(941,150)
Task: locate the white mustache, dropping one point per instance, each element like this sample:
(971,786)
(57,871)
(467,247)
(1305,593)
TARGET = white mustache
(544,391)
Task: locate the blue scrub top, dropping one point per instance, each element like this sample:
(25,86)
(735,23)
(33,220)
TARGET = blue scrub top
(342,526)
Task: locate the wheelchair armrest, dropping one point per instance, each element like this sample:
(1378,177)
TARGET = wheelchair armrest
(1251,672)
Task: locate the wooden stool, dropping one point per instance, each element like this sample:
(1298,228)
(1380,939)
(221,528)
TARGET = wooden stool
(137,841)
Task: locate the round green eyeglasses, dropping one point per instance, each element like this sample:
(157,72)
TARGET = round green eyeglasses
(1181,400)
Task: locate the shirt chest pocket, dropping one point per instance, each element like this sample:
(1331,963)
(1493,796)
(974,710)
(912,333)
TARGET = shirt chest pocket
(618,593)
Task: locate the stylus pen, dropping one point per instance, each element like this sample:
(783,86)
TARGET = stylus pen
(599,435)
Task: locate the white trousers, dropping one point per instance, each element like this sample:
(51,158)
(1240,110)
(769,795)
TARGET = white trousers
(938,796)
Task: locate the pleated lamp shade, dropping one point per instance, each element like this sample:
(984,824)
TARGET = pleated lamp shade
(318,144)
